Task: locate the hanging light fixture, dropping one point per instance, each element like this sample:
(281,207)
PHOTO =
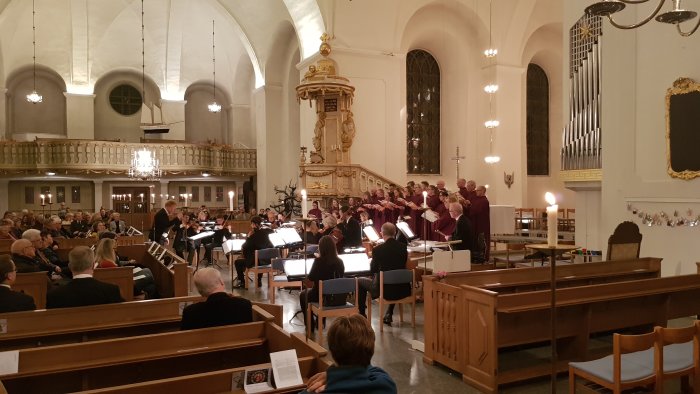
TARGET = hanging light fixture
(34,97)
(491,89)
(674,17)
(213,107)
(145,166)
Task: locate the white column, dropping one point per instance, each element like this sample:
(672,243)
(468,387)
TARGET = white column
(4,133)
(80,116)
(98,194)
(164,192)
(4,195)
(270,145)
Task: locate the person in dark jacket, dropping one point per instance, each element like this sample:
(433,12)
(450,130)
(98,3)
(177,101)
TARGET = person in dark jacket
(352,232)
(12,301)
(326,266)
(351,342)
(258,238)
(166,218)
(220,308)
(83,290)
(389,256)
(463,230)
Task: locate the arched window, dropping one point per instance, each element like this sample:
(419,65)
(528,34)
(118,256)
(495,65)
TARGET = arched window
(423,113)
(537,121)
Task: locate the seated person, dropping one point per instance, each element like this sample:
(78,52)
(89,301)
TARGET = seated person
(83,290)
(25,258)
(98,228)
(106,257)
(6,229)
(12,301)
(327,266)
(220,235)
(391,255)
(220,308)
(258,238)
(117,225)
(351,343)
(48,249)
(312,235)
(81,225)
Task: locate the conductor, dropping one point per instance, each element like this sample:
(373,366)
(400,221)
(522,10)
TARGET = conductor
(163,221)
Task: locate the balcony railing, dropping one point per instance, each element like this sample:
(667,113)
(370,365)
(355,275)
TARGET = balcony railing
(339,180)
(108,157)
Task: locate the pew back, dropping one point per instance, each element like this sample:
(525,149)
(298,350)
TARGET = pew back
(35,284)
(120,276)
(169,282)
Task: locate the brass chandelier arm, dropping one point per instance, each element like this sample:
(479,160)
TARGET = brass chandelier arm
(635,1)
(640,23)
(689,33)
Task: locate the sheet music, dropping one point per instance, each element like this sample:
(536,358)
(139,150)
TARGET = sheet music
(202,235)
(406,230)
(233,245)
(285,369)
(371,233)
(430,215)
(9,362)
(289,235)
(276,239)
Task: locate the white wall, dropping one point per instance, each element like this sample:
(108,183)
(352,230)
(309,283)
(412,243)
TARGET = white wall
(638,67)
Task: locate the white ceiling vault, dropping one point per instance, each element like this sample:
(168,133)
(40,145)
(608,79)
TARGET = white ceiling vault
(82,40)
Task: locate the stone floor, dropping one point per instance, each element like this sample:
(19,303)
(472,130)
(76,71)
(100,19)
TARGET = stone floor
(394,353)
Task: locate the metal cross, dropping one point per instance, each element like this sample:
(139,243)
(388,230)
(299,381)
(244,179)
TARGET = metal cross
(457,158)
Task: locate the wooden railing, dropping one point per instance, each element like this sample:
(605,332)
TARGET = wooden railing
(339,180)
(110,157)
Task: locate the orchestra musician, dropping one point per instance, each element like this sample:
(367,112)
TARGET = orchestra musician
(350,227)
(327,266)
(166,218)
(221,234)
(258,238)
(463,229)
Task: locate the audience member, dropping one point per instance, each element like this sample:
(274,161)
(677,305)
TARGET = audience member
(351,343)
(25,257)
(83,290)
(220,308)
(117,225)
(391,255)
(12,301)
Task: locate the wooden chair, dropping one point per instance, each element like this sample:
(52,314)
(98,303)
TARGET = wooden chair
(626,368)
(625,242)
(340,287)
(679,355)
(518,248)
(395,277)
(262,254)
(278,279)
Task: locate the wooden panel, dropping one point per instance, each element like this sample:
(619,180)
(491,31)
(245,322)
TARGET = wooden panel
(35,284)
(120,276)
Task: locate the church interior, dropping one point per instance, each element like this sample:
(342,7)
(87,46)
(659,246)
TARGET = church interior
(239,105)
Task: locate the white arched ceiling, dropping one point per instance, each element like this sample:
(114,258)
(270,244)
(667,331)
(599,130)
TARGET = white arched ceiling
(309,24)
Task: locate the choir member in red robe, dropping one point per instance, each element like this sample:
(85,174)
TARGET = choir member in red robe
(315,211)
(445,225)
(480,217)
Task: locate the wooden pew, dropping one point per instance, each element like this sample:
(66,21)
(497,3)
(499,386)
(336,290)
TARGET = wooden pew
(66,244)
(169,282)
(116,362)
(82,324)
(466,326)
(35,284)
(5,246)
(120,276)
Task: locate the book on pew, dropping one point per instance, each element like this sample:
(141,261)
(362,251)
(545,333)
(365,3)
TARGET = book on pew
(258,380)
(9,362)
(285,369)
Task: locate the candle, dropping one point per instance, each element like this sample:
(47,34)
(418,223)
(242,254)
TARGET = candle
(141,195)
(129,196)
(42,199)
(50,199)
(304,207)
(230,200)
(552,215)
(153,198)
(425,199)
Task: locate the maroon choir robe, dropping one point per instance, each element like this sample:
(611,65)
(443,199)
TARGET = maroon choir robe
(445,224)
(480,216)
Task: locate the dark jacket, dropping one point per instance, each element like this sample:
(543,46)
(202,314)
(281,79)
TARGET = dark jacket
(366,380)
(463,232)
(83,292)
(352,232)
(220,309)
(260,239)
(26,264)
(389,256)
(161,224)
(14,301)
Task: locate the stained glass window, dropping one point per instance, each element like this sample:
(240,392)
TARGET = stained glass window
(422,113)
(537,121)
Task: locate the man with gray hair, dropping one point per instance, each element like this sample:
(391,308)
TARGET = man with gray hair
(220,307)
(83,290)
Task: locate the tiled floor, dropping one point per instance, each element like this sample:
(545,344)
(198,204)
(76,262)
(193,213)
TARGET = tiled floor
(394,353)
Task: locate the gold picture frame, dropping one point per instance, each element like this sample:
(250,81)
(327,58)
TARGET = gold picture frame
(681,116)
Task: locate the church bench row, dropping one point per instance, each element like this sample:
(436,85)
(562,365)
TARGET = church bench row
(29,329)
(36,284)
(466,326)
(170,282)
(66,244)
(114,362)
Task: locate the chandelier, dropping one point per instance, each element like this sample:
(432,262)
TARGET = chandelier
(145,166)
(674,17)
(34,97)
(213,107)
(491,124)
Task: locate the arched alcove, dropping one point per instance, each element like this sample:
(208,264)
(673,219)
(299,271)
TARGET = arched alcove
(110,124)
(200,124)
(26,120)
